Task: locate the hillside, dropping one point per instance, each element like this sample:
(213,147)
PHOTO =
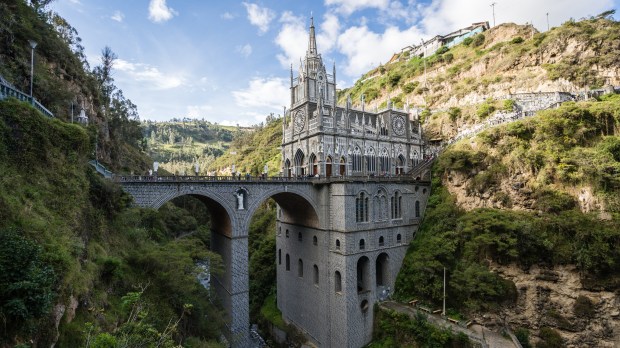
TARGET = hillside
(64,80)
(177,145)
(508,58)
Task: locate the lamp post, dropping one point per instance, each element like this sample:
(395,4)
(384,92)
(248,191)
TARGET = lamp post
(33,45)
(493,7)
(548,21)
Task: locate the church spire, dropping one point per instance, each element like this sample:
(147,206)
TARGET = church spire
(311,40)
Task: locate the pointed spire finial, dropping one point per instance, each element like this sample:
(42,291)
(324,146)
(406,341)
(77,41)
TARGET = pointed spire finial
(312,39)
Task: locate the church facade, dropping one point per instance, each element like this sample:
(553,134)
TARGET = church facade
(330,273)
(326,139)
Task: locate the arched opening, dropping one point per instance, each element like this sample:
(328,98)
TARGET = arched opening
(315,240)
(287,168)
(417,209)
(382,270)
(362,244)
(299,163)
(315,165)
(399,239)
(381,241)
(337,282)
(328,166)
(279,256)
(363,274)
(316,275)
(288,262)
(337,244)
(400,164)
(343,166)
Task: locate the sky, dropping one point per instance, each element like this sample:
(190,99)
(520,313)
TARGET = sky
(229,61)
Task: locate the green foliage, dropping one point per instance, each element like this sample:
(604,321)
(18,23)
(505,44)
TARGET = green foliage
(517,40)
(523,336)
(467,41)
(478,40)
(584,307)
(394,329)
(486,109)
(442,50)
(509,105)
(549,338)
(454,113)
(551,201)
(26,284)
(394,79)
(410,86)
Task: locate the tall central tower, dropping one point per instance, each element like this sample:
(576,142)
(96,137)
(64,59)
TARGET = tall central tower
(329,277)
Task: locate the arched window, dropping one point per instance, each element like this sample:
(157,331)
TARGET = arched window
(315,240)
(315,165)
(288,262)
(398,238)
(396,201)
(337,244)
(384,161)
(316,275)
(371,161)
(300,268)
(417,208)
(400,164)
(362,244)
(299,163)
(361,207)
(337,282)
(287,233)
(279,256)
(381,241)
(299,237)
(356,159)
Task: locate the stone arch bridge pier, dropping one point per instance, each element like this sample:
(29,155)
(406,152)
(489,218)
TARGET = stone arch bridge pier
(340,243)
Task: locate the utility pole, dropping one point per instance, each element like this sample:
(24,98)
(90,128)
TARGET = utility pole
(493,7)
(33,45)
(548,21)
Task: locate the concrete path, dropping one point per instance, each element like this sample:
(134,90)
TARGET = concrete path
(477,333)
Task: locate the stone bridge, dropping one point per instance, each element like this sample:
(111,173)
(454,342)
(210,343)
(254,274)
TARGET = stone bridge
(328,209)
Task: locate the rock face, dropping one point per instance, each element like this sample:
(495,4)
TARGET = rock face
(547,298)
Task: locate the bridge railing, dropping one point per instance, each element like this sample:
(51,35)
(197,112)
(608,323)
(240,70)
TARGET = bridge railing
(7,91)
(272,179)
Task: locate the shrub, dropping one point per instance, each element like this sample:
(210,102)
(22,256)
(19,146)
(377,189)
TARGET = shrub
(485,109)
(468,41)
(448,57)
(454,113)
(509,105)
(442,50)
(394,78)
(517,40)
(550,201)
(583,307)
(478,40)
(549,338)
(523,335)
(410,86)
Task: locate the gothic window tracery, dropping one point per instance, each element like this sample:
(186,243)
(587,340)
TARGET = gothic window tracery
(371,161)
(361,207)
(356,159)
(396,202)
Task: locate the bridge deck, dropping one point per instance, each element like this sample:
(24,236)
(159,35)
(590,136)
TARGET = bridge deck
(269,179)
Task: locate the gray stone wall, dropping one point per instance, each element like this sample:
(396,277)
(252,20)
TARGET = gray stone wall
(326,211)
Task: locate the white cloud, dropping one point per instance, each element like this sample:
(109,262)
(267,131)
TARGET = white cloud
(289,39)
(245,50)
(227,16)
(160,12)
(365,49)
(199,111)
(118,16)
(347,7)
(328,35)
(446,15)
(259,16)
(269,94)
(151,76)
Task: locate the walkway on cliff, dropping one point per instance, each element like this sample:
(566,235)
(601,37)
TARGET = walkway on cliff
(476,333)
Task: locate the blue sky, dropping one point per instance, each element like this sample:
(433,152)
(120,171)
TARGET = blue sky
(228,61)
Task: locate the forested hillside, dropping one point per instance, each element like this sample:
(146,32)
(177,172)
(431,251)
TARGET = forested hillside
(78,266)
(179,144)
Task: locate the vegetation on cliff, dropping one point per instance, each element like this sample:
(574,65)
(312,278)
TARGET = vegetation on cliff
(83,251)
